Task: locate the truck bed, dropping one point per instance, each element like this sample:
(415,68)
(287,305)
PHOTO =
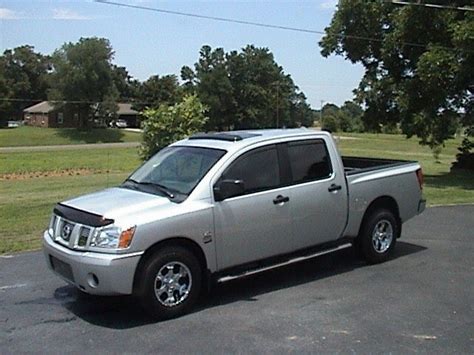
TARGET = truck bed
(370,178)
(358,165)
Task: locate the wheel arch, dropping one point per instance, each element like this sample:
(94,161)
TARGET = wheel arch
(383,202)
(183,242)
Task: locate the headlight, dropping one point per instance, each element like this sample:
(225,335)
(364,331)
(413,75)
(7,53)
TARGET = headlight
(112,237)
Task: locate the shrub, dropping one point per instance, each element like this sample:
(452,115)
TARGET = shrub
(465,157)
(167,124)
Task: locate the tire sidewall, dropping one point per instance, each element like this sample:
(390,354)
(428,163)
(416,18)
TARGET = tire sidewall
(147,288)
(365,239)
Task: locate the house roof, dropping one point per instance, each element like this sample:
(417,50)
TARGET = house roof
(46,107)
(126,109)
(42,107)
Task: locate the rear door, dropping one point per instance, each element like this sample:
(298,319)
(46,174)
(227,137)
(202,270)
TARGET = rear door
(318,193)
(253,226)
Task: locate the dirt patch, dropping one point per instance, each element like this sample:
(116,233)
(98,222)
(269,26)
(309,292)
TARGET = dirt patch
(54,173)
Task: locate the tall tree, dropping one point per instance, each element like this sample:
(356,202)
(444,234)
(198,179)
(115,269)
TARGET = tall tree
(346,118)
(246,89)
(418,63)
(127,87)
(329,117)
(158,91)
(211,81)
(263,91)
(23,80)
(351,117)
(83,76)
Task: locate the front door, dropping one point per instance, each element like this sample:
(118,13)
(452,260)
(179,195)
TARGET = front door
(257,223)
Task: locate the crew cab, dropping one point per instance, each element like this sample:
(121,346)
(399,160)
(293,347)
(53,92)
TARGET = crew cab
(217,206)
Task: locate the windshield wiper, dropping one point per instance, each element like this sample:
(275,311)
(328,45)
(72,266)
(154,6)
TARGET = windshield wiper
(162,188)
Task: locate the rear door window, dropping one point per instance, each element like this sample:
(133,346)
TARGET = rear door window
(309,160)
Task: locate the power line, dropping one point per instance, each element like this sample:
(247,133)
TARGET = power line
(260,24)
(6,99)
(213,18)
(435,6)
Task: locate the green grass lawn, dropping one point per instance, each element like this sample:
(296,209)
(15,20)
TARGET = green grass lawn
(95,160)
(441,186)
(32,182)
(33,136)
(26,206)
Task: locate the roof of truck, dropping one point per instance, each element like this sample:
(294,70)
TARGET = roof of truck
(236,140)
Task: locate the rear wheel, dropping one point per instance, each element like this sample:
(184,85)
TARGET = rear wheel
(378,236)
(171,283)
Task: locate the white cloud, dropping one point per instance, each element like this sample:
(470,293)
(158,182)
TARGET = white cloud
(329,4)
(67,14)
(55,14)
(7,14)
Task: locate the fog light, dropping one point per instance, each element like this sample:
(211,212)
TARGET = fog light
(92,280)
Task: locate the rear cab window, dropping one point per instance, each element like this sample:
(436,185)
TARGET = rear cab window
(309,160)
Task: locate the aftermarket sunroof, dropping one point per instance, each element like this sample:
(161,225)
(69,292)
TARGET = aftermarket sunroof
(225,136)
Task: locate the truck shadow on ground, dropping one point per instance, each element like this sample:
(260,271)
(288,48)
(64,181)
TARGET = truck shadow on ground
(125,312)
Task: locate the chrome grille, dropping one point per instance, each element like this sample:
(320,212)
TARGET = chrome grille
(70,234)
(66,230)
(83,236)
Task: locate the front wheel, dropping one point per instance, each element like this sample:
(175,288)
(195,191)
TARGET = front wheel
(171,283)
(378,236)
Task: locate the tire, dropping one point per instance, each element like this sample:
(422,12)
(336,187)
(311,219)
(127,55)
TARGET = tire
(378,236)
(170,283)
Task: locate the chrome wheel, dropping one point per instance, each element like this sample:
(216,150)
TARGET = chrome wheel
(173,284)
(382,236)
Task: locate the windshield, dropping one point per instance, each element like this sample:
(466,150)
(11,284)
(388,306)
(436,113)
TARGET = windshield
(174,171)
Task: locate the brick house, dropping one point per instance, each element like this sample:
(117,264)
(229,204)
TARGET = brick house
(45,115)
(126,113)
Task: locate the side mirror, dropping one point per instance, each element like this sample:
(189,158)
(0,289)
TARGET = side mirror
(228,188)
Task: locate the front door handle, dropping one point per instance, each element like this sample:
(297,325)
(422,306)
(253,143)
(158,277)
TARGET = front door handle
(280,199)
(334,187)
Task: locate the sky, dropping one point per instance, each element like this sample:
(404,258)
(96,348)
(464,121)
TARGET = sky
(149,43)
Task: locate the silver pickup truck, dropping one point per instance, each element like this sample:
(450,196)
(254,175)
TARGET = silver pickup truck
(217,206)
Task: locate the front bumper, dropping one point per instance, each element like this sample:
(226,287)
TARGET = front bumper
(421,206)
(94,273)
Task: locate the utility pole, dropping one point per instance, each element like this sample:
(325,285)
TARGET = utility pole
(277,84)
(321,113)
(278,105)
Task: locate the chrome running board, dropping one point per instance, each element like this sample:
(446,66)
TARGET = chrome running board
(288,262)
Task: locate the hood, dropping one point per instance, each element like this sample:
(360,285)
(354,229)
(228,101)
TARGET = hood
(117,202)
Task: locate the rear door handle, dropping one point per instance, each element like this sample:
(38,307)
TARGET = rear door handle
(334,187)
(280,199)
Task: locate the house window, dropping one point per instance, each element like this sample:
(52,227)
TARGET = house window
(76,117)
(60,118)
